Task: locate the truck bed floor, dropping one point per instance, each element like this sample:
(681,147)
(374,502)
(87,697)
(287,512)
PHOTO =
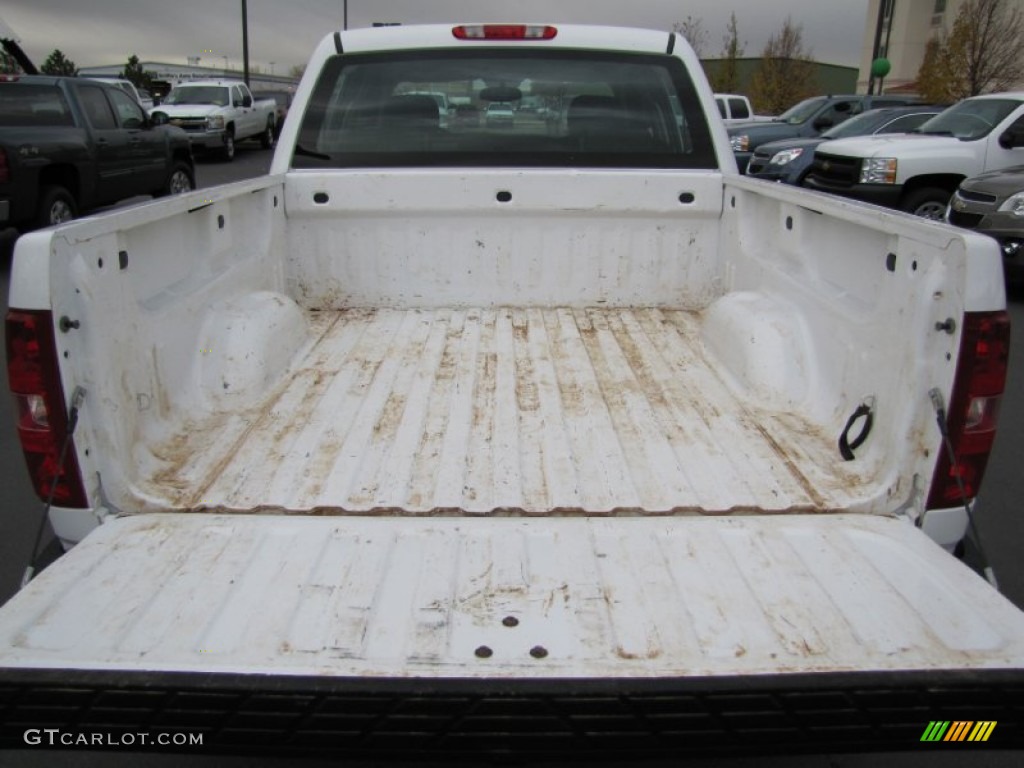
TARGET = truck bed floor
(508,410)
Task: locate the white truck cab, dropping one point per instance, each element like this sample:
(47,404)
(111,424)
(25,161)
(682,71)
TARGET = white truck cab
(918,172)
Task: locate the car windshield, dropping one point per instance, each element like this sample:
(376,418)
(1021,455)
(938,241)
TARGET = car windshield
(513,108)
(199,94)
(970,119)
(859,125)
(801,113)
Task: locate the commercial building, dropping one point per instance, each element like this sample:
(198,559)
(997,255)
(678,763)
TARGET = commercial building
(168,75)
(907,26)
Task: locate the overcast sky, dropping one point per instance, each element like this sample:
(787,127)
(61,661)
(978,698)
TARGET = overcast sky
(96,32)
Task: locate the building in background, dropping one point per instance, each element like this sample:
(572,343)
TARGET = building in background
(165,75)
(907,26)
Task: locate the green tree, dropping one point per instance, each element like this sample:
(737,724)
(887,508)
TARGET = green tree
(58,64)
(786,72)
(727,76)
(983,53)
(134,73)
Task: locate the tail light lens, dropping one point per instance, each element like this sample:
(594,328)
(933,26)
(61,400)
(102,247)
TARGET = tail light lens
(5,169)
(40,408)
(974,407)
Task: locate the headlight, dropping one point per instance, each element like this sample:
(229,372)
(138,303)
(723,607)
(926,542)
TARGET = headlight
(1014,204)
(215,123)
(785,156)
(740,143)
(878,170)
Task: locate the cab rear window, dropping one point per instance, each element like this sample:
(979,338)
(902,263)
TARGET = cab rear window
(504,108)
(27,105)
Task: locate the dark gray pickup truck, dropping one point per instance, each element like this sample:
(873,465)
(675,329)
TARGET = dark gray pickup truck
(69,145)
(806,120)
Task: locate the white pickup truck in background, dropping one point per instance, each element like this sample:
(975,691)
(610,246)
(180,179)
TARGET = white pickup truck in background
(216,114)
(556,438)
(736,108)
(919,172)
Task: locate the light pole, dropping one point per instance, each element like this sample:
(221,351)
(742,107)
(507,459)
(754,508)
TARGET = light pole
(271,69)
(245,42)
(225,64)
(344,23)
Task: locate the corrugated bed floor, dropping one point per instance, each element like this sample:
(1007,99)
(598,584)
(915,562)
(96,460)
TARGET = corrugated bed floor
(519,411)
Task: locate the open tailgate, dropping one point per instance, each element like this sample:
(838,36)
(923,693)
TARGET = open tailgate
(512,635)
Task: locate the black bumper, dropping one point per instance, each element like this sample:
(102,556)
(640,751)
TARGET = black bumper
(417,718)
(886,195)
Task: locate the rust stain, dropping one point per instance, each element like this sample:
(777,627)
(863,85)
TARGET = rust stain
(794,470)
(390,416)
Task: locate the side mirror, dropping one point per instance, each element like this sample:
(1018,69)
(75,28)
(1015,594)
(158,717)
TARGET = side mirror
(822,123)
(247,101)
(158,118)
(1011,139)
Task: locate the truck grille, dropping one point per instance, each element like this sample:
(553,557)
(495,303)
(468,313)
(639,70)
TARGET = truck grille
(835,170)
(189,123)
(629,719)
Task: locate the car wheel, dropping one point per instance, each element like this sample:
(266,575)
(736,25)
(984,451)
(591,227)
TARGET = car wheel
(180,181)
(927,202)
(228,150)
(268,136)
(56,205)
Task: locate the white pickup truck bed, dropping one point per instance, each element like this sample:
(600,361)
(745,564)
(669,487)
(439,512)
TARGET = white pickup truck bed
(510,410)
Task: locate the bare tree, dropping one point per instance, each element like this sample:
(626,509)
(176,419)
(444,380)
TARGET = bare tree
(727,79)
(786,72)
(695,33)
(983,53)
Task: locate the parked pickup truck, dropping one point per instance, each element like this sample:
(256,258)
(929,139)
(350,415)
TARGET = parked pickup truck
(806,120)
(557,438)
(918,173)
(216,114)
(70,145)
(736,108)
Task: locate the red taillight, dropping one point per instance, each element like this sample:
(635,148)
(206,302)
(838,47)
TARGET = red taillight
(974,407)
(504,32)
(40,407)
(5,169)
